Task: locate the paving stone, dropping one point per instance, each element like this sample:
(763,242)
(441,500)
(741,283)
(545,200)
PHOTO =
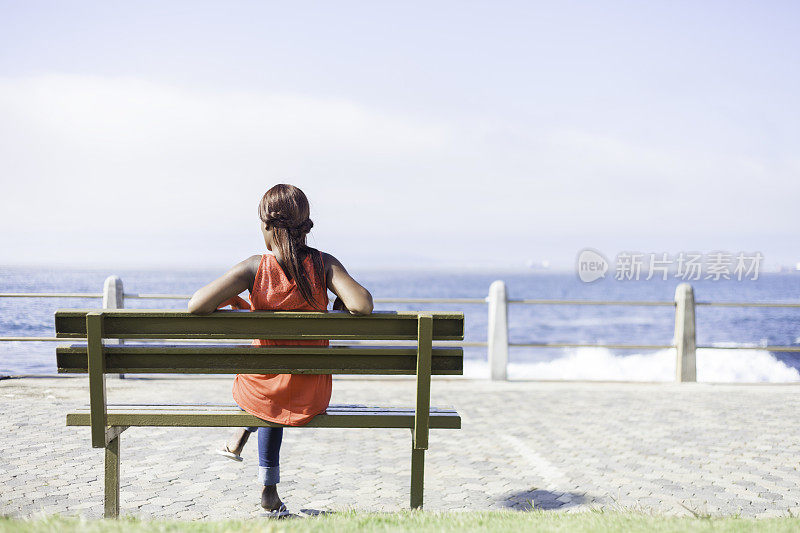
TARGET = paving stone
(721,449)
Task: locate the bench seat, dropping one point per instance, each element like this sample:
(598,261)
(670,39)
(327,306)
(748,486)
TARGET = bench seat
(229,415)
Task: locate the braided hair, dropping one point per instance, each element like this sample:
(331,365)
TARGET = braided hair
(285,209)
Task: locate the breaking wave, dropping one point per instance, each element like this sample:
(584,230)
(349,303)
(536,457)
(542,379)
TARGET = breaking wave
(601,364)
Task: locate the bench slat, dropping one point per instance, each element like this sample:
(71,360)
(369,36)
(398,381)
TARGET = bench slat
(193,415)
(241,349)
(228,407)
(169,324)
(248,359)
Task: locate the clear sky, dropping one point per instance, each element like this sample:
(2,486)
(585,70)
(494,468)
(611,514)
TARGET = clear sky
(426,134)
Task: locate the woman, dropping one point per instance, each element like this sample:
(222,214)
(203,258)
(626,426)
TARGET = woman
(292,276)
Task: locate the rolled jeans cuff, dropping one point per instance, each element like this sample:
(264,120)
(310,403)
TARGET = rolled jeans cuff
(269,475)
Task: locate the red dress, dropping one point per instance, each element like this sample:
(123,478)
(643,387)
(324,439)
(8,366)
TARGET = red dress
(289,399)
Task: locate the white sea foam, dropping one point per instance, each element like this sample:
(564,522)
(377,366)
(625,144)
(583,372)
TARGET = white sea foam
(713,365)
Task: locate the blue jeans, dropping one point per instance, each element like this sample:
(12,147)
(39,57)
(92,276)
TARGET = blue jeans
(269,449)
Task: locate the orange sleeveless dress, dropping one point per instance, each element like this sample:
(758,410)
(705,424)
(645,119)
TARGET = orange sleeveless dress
(289,399)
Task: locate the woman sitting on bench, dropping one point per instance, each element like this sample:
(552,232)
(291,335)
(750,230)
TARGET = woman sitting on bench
(292,276)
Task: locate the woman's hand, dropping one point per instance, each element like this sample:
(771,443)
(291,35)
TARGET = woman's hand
(237,302)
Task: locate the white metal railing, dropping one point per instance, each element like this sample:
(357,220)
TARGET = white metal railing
(497,343)
(50,295)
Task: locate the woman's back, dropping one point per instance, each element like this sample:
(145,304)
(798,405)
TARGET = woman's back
(290,399)
(274,291)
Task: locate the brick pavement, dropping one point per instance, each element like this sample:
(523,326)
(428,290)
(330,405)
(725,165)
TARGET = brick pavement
(568,446)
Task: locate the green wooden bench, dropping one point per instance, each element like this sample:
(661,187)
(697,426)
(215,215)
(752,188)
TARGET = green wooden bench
(107,421)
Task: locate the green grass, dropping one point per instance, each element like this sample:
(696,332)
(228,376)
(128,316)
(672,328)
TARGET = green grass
(623,521)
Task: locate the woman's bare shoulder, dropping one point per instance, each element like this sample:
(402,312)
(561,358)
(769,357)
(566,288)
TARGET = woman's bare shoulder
(329,261)
(249,267)
(253,261)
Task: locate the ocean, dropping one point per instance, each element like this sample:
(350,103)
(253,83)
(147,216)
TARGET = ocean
(716,326)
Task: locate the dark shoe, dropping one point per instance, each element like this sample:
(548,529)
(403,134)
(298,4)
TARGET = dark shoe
(280,512)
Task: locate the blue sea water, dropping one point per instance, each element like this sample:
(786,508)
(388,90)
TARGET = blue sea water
(720,327)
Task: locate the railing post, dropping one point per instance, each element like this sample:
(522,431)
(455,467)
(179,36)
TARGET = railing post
(113,295)
(685,339)
(498,330)
(114,298)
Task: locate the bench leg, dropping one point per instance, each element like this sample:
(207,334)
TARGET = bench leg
(417,477)
(112,478)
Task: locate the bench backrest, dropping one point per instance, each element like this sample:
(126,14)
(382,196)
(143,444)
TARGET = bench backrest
(98,359)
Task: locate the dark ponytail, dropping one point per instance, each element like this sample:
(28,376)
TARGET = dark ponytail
(285,209)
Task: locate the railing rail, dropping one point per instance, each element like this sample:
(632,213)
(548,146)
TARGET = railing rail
(50,295)
(528,301)
(523,301)
(497,341)
(156,296)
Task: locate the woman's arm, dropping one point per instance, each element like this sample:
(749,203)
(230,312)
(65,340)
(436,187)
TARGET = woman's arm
(355,298)
(236,280)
